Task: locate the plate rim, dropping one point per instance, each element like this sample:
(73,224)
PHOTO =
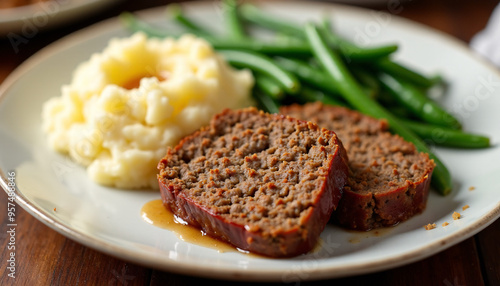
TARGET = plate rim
(264,275)
(184,267)
(12,19)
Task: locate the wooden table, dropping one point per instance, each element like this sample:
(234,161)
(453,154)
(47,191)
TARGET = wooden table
(47,258)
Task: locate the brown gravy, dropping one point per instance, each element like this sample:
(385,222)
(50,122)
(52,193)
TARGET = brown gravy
(358,236)
(156,214)
(136,81)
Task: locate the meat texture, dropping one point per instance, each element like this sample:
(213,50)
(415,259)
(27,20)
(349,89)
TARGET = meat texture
(264,183)
(389,179)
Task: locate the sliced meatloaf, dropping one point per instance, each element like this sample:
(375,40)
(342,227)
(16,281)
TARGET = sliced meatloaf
(389,179)
(264,183)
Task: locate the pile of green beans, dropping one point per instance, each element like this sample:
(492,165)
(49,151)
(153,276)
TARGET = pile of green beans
(313,63)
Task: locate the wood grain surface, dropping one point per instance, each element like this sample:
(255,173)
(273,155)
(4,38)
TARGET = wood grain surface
(44,257)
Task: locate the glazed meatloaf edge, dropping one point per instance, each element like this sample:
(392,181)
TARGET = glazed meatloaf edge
(264,183)
(389,179)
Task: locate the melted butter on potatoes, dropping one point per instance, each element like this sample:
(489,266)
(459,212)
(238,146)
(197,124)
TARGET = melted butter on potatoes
(125,105)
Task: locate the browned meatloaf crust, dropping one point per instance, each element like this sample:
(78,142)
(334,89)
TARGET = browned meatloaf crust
(264,183)
(389,179)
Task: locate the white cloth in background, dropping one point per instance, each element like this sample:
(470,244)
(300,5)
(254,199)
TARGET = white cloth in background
(487,42)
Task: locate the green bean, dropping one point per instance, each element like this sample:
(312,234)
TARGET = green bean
(281,38)
(356,97)
(232,19)
(326,24)
(281,49)
(355,53)
(369,82)
(438,80)
(308,74)
(254,15)
(296,49)
(175,11)
(396,69)
(262,64)
(447,137)
(348,49)
(420,105)
(265,102)
(400,112)
(269,86)
(387,100)
(384,64)
(312,95)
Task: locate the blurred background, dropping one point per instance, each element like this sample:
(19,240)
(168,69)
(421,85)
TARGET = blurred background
(460,18)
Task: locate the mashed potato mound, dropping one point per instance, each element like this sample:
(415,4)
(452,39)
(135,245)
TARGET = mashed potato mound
(125,105)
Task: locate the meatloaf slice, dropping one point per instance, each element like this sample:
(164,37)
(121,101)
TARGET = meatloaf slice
(264,183)
(389,179)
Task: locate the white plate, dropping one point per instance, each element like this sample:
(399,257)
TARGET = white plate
(25,21)
(108,219)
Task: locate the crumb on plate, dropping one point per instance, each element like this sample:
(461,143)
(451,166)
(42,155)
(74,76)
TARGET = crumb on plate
(445,223)
(465,207)
(430,226)
(456,216)
(472,188)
